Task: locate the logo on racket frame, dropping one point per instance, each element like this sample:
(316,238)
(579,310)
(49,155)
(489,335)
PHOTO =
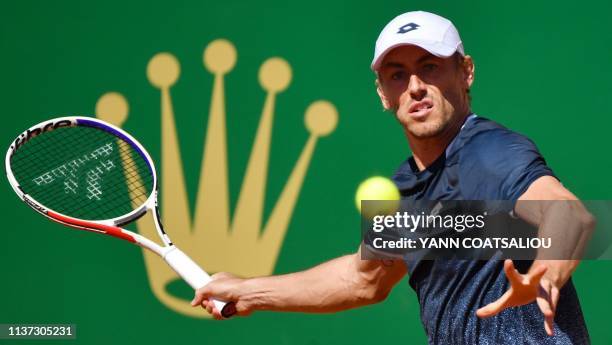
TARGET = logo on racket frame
(32,132)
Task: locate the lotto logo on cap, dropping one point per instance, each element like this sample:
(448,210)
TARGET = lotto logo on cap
(429,31)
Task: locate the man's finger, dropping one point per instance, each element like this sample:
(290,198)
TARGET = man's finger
(549,325)
(496,307)
(544,300)
(512,274)
(554,298)
(205,303)
(199,296)
(537,273)
(216,314)
(545,306)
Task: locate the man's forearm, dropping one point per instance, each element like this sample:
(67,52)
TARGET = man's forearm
(335,285)
(570,226)
(561,217)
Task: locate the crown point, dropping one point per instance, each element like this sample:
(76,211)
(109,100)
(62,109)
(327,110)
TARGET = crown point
(163,70)
(321,118)
(220,56)
(113,108)
(275,74)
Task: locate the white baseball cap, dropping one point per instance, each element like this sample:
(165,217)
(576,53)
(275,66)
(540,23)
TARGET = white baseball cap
(429,31)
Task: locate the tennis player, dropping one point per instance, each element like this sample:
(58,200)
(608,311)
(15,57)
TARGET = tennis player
(424,78)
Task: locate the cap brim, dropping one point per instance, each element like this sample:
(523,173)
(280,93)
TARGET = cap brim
(437,49)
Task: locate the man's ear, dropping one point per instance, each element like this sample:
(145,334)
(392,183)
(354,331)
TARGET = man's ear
(468,70)
(383,99)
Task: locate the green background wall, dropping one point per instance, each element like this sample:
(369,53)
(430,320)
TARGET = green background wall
(541,68)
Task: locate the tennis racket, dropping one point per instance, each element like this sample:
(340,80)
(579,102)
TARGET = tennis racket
(91,175)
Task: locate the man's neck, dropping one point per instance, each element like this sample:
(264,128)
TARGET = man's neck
(426,150)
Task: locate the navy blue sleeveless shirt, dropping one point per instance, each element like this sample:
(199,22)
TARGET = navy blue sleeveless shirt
(485,161)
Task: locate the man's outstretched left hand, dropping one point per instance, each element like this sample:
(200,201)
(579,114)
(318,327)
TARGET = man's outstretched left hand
(524,289)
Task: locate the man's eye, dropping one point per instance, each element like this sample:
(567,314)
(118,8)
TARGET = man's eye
(399,75)
(430,67)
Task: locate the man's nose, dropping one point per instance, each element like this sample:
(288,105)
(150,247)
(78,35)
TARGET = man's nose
(416,88)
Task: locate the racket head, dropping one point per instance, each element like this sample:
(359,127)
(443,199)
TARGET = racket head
(80,171)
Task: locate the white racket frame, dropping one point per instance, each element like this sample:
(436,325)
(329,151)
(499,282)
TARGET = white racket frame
(182,264)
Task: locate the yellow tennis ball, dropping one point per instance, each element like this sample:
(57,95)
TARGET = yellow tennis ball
(378,188)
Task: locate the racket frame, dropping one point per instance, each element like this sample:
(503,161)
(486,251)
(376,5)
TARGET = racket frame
(178,260)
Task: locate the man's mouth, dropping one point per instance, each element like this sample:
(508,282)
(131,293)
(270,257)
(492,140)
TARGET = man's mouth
(420,109)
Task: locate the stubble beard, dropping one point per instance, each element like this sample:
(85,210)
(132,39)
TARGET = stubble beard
(432,127)
(425,130)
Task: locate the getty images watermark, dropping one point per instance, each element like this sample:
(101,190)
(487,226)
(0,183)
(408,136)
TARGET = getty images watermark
(484,230)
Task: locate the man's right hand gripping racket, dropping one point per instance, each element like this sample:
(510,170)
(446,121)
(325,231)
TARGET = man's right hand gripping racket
(91,175)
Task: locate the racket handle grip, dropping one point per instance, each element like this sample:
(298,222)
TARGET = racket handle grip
(195,277)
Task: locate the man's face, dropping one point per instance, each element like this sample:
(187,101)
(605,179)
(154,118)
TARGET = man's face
(426,92)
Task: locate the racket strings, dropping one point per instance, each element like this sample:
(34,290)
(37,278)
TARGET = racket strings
(137,191)
(83,172)
(132,173)
(131,170)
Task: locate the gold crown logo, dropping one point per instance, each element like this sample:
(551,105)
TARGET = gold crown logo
(245,246)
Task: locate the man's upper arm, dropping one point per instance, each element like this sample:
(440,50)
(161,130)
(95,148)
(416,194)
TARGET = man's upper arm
(547,188)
